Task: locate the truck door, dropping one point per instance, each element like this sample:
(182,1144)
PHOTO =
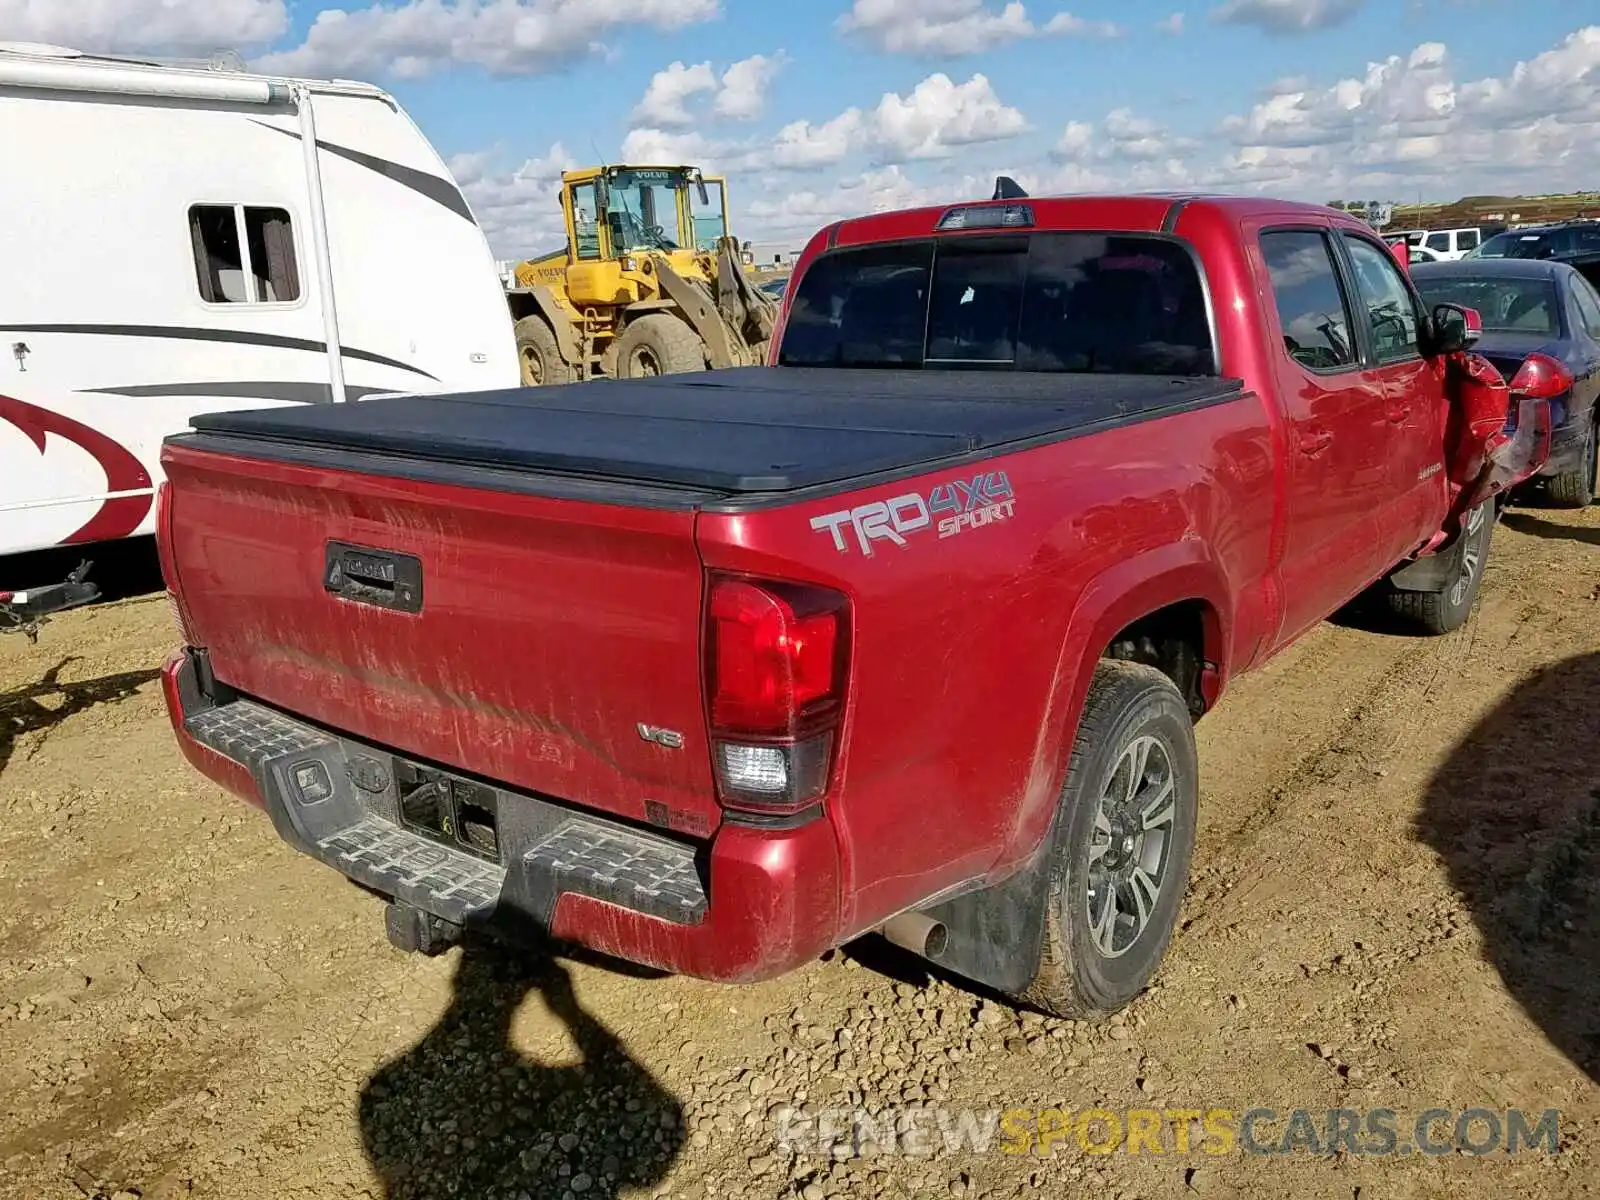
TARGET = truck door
(1337,416)
(1389,334)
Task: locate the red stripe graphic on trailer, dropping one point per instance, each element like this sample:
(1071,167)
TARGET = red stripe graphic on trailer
(118,517)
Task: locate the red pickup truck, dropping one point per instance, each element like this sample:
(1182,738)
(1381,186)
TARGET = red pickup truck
(906,631)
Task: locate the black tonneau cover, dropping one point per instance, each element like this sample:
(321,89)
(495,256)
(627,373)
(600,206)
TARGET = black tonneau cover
(743,430)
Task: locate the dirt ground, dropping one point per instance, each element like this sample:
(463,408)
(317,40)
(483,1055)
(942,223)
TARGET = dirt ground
(1395,906)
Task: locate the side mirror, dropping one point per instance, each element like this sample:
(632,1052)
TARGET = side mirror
(602,193)
(1455,327)
(705,196)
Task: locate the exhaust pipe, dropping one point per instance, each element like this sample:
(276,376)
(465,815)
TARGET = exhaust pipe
(916,932)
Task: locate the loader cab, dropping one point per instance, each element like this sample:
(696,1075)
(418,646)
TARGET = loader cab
(614,212)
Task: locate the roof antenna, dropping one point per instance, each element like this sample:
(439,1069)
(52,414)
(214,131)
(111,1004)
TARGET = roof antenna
(1007,188)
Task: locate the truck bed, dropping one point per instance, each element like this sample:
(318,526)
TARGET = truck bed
(745,431)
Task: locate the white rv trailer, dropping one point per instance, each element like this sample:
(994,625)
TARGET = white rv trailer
(181,240)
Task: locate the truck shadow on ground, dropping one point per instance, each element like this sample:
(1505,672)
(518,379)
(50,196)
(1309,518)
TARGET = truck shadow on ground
(465,1113)
(1515,815)
(1536,526)
(47,703)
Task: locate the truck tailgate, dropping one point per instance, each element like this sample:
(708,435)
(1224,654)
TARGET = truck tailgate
(554,645)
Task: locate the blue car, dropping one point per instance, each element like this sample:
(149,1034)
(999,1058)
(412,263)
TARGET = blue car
(1541,328)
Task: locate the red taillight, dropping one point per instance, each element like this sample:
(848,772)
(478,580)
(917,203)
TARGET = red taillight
(1541,378)
(774,654)
(777,659)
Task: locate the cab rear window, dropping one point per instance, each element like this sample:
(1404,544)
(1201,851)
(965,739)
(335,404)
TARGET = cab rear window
(1074,302)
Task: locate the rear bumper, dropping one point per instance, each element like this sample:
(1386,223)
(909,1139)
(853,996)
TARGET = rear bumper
(749,905)
(1568,443)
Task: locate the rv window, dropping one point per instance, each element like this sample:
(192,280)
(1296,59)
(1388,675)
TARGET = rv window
(272,260)
(244,255)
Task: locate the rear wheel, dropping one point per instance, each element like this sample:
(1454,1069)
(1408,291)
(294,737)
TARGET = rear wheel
(1122,843)
(1576,488)
(1446,610)
(540,354)
(658,344)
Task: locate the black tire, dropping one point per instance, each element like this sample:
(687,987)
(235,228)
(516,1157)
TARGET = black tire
(539,354)
(658,344)
(1447,610)
(1128,703)
(1575,489)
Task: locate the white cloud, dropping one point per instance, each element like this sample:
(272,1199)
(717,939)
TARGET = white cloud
(691,147)
(796,214)
(801,144)
(743,96)
(1076,142)
(739,94)
(936,28)
(1122,138)
(1140,139)
(1088,169)
(145,26)
(1562,84)
(1064,24)
(1407,124)
(937,116)
(1286,84)
(940,114)
(1398,97)
(663,105)
(519,210)
(663,147)
(505,37)
(1172,24)
(1287,16)
(952,28)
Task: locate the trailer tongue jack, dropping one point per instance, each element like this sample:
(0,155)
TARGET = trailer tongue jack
(25,612)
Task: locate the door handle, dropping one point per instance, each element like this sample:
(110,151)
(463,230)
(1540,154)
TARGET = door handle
(381,578)
(1315,441)
(1396,414)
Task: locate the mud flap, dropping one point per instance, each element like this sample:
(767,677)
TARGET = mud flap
(995,935)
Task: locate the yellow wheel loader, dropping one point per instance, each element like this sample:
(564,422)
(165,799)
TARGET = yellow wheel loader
(650,282)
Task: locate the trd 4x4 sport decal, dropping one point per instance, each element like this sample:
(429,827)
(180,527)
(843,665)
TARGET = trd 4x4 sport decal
(958,507)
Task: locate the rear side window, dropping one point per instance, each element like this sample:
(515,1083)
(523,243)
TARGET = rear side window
(1311,306)
(244,254)
(1518,244)
(1591,273)
(1467,239)
(1588,305)
(1558,241)
(1499,246)
(1586,239)
(1390,309)
(1505,303)
(1044,302)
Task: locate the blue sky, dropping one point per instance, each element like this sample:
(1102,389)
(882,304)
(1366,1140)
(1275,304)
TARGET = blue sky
(819,108)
